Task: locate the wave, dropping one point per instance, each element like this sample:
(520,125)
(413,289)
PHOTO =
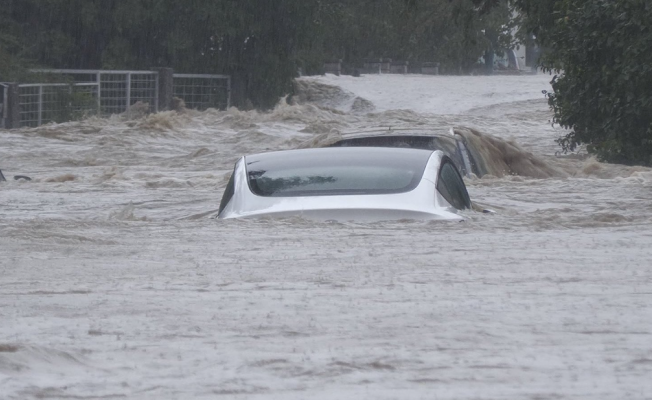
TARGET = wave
(126,214)
(15,358)
(499,157)
(62,178)
(330,97)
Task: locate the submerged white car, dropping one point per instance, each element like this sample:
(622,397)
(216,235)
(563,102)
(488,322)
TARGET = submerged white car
(346,183)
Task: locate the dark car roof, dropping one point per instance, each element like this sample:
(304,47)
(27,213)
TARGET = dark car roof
(413,141)
(447,143)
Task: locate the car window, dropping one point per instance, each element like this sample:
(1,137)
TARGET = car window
(228,193)
(322,172)
(451,186)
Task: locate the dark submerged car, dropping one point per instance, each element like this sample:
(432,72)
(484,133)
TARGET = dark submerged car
(467,159)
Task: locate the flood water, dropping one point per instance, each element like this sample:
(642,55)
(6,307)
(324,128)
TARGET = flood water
(115,280)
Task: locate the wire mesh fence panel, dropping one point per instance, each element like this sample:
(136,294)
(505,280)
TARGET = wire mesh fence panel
(4,105)
(45,103)
(118,91)
(55,103)
(201,92)
(144,89)
(30,105)
(80,93)
(84,100)
(113,93)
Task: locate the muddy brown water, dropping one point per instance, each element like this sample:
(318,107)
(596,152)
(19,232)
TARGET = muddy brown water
(115,280)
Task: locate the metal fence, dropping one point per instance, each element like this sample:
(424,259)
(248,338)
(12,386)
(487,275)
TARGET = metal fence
(200,92)
(4,104)
(114,91)
(88,92)
(55,102)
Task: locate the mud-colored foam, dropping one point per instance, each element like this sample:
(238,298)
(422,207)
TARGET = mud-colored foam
(159,121)
(17,359)
(328,96)
(126,214)
(323,140)
(8,348)
(62,178)
(499,157)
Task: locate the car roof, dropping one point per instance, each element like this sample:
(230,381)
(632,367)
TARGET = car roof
(415,139)
(426,142)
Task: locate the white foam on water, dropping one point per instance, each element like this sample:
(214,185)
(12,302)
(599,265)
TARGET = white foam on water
(116,282)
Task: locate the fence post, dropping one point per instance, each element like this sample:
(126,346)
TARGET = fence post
(128,85)
(165,88)
(13,106)
(228,92)
(98,78)
(40,105)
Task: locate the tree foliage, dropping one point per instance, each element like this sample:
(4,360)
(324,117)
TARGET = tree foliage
(602,53)
(255,41)
(260,43)
(454,33)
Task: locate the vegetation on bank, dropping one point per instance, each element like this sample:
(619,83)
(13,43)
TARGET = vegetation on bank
(260,43)
(600,50)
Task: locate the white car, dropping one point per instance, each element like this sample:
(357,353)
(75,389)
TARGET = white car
(346,183)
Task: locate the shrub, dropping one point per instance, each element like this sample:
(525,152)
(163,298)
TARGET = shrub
(604,92)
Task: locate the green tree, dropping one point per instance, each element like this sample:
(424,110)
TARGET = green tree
(260,47)
(260,43)
(487,27)
(11,64)
(453,33)
(256,41)
(601,51)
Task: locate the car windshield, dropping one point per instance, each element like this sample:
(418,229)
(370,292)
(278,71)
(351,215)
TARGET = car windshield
(327,172)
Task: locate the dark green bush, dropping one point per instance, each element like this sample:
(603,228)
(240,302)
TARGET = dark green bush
(604,92)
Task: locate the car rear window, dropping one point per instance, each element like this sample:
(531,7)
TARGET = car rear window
(327,172)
